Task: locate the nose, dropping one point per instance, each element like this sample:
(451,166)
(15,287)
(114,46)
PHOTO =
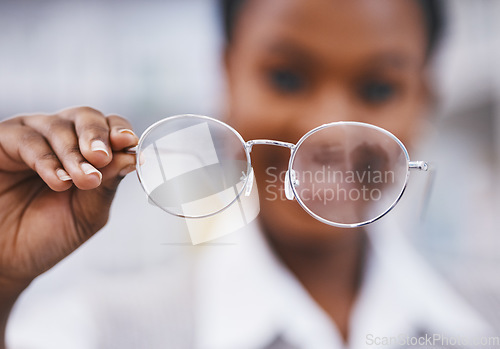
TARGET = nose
(327,105)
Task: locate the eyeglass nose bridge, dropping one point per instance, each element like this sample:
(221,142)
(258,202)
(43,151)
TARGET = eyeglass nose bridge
(288,185)
(251,143)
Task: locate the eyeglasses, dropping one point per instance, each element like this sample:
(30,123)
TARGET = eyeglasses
(345,174)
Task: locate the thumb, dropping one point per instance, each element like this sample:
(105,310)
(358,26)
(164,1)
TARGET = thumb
(91,207)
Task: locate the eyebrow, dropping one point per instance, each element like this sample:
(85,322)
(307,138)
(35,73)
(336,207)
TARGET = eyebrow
(386,60)
(391,60)
(291,50)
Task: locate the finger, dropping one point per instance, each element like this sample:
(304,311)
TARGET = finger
(121,165)
(9,157)
(92,130)
(29,147)
(98,201)
(121,134)
(60,134)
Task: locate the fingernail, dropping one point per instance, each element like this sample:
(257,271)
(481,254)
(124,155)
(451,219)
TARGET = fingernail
(126,171)
(99,145)
(89,169)
(63,175)
(127,131)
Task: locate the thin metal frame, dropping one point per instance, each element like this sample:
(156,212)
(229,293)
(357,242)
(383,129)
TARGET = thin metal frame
(418,165)
(136,150)
(338,123)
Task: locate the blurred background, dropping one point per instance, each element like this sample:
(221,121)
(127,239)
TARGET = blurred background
(151,59)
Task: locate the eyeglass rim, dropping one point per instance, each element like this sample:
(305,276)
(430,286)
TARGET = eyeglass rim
(340,123)
(294,149)
(195,116)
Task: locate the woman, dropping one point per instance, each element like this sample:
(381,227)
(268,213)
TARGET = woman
(291,65)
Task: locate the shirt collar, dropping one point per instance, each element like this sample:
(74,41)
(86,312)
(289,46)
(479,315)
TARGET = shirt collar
(246,297)
(402,294)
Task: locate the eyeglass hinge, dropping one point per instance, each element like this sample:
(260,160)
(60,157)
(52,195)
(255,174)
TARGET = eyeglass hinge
(131,150)
(288,184)
(249,185)
(418,165)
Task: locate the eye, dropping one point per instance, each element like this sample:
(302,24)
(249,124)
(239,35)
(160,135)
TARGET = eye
(377,91)
(286,80)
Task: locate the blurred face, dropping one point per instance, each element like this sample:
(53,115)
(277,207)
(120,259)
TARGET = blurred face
(294,65)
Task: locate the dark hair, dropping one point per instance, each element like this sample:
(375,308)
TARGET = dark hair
(432,10)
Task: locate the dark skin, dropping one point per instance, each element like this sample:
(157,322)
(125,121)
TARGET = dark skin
(292,65)
(52,197)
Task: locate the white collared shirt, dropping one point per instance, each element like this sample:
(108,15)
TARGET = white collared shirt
(248,298)
(242,297)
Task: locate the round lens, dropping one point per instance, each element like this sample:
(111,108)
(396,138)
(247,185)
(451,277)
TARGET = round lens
(349,173)
(192,166)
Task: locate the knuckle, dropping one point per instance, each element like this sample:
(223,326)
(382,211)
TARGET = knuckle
(72,150)
(44,158)
(47,156)
(118,121)
(77,112)
(29,136)
(86,110)
(96,129)
(56,125)
(14,121)
(117,117)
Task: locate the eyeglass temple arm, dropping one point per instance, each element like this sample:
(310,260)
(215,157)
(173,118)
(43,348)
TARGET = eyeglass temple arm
(418,165)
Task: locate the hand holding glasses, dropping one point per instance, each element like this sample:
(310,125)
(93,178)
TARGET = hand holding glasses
(345,174)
